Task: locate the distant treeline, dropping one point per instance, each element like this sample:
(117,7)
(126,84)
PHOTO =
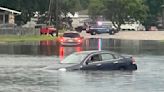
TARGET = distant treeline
(28,7)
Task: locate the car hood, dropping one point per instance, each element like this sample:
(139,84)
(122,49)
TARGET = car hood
(60,66)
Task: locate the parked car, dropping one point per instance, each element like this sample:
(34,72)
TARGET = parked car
(132,27)
(97,60)
(48,30)
(70,38)
(93,30)
(153,28)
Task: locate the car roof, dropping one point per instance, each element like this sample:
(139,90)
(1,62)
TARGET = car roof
(95,51)
(71,32)
(99,27)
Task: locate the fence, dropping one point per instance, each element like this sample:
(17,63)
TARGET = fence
(19,31)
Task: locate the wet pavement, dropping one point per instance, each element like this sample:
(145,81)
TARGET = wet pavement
(22,67)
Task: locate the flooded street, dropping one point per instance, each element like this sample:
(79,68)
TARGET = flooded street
(22,67)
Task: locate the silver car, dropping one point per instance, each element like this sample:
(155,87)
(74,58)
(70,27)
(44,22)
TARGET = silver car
(71,39)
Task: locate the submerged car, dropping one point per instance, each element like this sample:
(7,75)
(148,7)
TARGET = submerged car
(71,39)
(97,60)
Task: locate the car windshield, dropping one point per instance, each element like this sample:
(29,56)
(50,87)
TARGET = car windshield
(74,58)
(72,35)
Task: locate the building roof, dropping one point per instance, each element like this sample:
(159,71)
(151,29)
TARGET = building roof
(10,10)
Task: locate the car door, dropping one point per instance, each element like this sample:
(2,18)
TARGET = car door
(92,62)
(106,30)
(102,30)
(109,62)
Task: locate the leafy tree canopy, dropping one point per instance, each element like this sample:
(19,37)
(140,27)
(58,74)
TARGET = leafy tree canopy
(119,11)
(154,7)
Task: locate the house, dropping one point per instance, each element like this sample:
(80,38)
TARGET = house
(7,16)
(79,18)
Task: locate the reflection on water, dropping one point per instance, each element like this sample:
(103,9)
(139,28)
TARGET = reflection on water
(126,46)
(50,48)
(64,51)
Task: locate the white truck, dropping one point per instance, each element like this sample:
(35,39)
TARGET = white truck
(132,27)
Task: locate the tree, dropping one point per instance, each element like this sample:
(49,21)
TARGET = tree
(70,6)
(154,11)
(121,11)
(27,8)
(84,4)
(64,7)
(96,8)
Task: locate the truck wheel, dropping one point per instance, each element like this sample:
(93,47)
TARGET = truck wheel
(54,34)
(93,33)
(112,32)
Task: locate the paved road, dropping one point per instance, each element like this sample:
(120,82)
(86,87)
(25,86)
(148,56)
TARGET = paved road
(130,35)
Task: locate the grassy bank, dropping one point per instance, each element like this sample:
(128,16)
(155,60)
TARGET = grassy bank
(14,38)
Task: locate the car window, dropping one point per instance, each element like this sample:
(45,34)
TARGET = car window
(102,30)
(106,56)
(94,58)
(71,35)
(117,56)
(74,58)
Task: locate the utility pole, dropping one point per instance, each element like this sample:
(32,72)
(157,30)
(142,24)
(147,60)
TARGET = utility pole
(57,20)
(54,13)
(57,17)
(49,12)
(162,16)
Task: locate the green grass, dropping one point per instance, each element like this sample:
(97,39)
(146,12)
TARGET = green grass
(14,38)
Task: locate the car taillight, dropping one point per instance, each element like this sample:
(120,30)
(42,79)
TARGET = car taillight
(78,40)
(133,60)
(61,39)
